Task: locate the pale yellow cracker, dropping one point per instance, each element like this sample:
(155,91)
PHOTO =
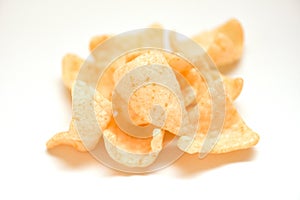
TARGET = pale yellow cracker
(69,138)
(82,121)
(72,63)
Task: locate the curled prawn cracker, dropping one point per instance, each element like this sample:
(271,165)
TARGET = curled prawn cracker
(72,63)
(144,101)
(69,138)
(147,58)
(106,83)
(224,44)
(194,83)
(132,151)
(83,120)
(179,64)
(232,86)
(235,135)
(126,42)
(157,85)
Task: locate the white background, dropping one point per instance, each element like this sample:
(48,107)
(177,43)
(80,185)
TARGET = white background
(34,35)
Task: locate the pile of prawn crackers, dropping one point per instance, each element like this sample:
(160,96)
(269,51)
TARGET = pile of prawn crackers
(224,45)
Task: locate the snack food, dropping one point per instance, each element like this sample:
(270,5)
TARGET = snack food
(143,99)
(224,44)
(131,151)
(89,140)
(149,79)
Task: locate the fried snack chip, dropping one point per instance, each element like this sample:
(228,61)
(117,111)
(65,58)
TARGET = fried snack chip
(90,133)
(106,84)
(168,96)
(224,44)
(233,86)
(179,64)
(71,64)
(132,151)
(235,135)
(97,40)
(169,82)
(70,138)
(148,58)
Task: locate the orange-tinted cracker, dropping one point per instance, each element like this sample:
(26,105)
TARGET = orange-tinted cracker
(106,82)
(129,150)
(235,134)
(96,40)
(169,99)
(147,58)
(69,138)
(224,44)
(71,64)
(233,86)
(144,98)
